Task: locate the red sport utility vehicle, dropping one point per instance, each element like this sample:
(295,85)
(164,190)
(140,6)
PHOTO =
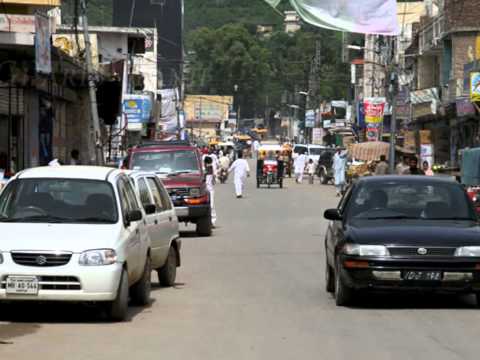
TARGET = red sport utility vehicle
(179,165)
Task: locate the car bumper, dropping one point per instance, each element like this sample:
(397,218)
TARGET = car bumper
(70,282)
(458,276)
(190,213)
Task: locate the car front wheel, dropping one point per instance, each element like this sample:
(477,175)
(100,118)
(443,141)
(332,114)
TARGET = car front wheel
(344,295)
(117,310)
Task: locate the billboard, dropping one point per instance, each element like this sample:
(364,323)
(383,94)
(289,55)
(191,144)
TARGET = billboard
(137,108)
(207,108)
(374,110)
(310,118)
(475,86)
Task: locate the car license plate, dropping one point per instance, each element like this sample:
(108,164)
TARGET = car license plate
(422,275)
(22,285)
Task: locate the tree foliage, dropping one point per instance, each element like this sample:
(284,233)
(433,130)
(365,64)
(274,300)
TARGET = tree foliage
(269,71)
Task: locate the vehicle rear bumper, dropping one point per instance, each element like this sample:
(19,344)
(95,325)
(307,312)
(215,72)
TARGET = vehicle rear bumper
(457,276)
(192,213)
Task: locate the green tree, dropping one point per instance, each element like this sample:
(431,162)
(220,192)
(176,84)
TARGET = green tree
(228,56)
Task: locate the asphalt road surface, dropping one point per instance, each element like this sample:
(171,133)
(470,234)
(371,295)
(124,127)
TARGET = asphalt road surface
(255,290)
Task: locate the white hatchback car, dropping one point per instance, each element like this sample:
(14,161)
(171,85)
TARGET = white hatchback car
(162,225)
(74,233)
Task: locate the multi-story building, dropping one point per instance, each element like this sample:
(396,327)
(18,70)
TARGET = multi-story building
(35,92)
(445,51)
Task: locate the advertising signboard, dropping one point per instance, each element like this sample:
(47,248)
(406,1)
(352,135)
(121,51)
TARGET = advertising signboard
(374,110)
(310,118)
(475,86)
(137,108)
(43,45)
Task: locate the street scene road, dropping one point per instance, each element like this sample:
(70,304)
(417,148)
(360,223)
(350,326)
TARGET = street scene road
(255,290)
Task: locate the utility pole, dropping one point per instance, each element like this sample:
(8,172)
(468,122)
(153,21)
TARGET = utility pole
(392,92)
(97,152)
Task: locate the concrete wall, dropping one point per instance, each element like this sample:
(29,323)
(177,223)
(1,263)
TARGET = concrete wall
(112,46)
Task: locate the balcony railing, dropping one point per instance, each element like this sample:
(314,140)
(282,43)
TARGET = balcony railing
(432,34)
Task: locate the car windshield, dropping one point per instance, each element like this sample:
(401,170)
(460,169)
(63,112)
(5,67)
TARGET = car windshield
(58,201)
(410,200)
(315,151)
(166,162)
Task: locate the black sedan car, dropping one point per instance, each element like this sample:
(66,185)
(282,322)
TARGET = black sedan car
(412,233)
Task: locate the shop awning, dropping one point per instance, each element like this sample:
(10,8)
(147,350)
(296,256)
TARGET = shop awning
(370,151)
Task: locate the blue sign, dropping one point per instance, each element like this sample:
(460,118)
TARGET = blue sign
(137,108)
(310,118)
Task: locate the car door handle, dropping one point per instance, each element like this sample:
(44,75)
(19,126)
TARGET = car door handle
(137,231)
(156,222)
(170,218)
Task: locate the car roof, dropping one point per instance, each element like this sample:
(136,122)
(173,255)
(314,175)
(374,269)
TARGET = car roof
(70,172)
(162,148)
(406,179)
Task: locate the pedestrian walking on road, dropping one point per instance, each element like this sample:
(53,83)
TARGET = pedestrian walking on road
(311,171)
(241,170)
(299,165)
(210,182)
(339,164)
(382,166)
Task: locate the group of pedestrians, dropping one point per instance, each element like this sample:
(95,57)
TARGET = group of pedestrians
(302,164)
(408,166)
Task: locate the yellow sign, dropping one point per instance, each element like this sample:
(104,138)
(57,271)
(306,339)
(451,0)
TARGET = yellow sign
(477,48)
(207,108)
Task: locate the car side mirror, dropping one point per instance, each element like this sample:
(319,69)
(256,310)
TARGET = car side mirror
(134,215)
(150,209)
(332,214)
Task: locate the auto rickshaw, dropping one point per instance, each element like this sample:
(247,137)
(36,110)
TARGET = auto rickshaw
(270,166)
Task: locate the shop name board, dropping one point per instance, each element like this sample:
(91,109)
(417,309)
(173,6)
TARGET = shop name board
(374,110)
(137,108)
(17,23)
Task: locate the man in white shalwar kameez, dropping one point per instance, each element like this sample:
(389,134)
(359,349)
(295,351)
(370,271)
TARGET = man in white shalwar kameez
(241,170)
(339,164)
(299,167)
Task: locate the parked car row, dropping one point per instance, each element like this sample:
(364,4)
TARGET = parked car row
(86,234)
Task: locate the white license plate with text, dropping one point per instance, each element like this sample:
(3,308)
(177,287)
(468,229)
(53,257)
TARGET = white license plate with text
(22,285)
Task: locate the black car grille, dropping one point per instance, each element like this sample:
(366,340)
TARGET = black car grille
(179,192)
(414,251)
(53,283)
(41,259)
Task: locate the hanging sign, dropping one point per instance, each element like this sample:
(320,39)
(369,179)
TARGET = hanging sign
(374,110)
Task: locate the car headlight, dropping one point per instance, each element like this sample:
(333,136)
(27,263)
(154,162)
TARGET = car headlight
(365,250)
(468,251)
(194,192)
(98,257)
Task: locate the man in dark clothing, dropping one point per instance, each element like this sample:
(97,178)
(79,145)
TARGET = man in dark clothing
(414,170)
